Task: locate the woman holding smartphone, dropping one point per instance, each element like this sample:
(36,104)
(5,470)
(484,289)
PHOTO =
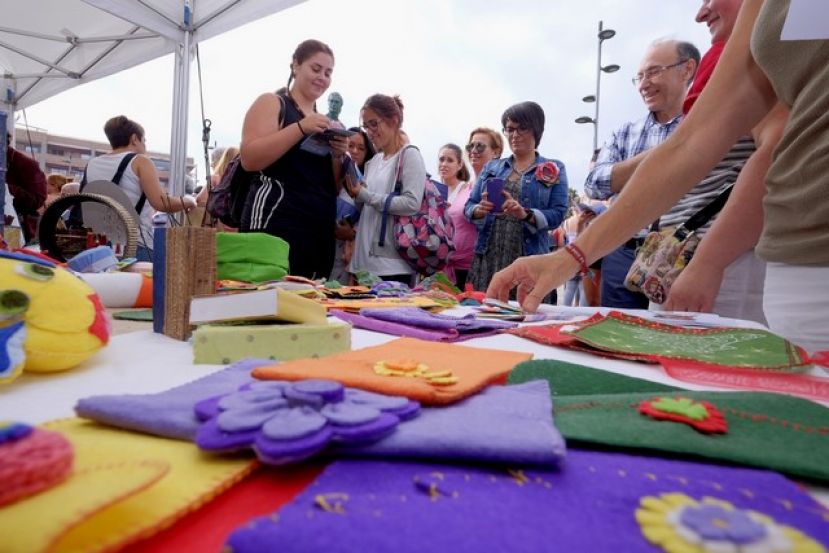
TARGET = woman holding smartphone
(382,118)
(516,200)
(293,192)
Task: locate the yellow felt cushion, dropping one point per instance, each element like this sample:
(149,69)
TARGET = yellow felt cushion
(193,479)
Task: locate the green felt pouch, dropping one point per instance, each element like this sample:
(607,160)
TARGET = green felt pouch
(774,431)
(250,256)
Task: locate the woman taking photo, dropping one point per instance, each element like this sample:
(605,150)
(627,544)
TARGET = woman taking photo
(293,194)
(382,118)
(455,175)
(533,198)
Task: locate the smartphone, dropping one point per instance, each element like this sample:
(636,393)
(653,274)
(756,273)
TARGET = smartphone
(494,192)
(351,171)
(332,132)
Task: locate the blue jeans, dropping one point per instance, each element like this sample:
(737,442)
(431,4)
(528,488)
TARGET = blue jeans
(615,267)
(143,253)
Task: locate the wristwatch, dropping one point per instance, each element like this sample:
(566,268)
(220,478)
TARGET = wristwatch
(528,216)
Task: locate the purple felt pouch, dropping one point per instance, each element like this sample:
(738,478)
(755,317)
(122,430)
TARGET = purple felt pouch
(417,323)
(597,502)
(169,413)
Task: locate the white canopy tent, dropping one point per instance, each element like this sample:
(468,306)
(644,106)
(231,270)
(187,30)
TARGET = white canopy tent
(48,46)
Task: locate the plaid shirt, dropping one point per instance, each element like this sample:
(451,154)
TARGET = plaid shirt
(627,141)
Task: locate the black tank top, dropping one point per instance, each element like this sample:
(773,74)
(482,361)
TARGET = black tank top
(308,180)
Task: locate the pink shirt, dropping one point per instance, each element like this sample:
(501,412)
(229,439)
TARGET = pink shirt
(465,232)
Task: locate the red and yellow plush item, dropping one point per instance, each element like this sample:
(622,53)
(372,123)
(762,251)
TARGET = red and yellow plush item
(429,372)
(126,486)
(65,322)
(31,460)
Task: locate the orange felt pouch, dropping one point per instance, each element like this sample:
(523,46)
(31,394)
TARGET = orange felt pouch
(445,373)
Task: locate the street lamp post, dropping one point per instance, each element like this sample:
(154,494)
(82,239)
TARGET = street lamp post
(603,34)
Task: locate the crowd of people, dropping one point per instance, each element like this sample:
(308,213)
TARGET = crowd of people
(754,131)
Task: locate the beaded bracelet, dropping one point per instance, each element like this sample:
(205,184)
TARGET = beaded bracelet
(577,254)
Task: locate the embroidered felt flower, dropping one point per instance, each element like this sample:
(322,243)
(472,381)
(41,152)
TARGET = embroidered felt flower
(285,422)
(701,415)
(547,173)
(679,524)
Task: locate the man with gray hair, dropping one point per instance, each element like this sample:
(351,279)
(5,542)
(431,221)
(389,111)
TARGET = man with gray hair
(665,72)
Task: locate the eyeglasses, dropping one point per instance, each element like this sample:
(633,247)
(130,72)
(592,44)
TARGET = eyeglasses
(479,147)
(371,125)
(654,72)
(514,130)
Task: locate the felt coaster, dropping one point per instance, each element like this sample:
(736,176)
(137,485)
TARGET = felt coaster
(169,413)
(191,479)
(773,431)
(287,422)
(418,323)
(597,502)
(470,369)
(134,315)
(207,529)
(31,460)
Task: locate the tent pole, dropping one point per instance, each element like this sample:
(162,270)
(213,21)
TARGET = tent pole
(178,145)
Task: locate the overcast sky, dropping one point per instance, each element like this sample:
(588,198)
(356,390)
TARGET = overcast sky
(457,64)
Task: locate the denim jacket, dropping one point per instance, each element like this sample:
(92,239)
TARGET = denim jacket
(548,203)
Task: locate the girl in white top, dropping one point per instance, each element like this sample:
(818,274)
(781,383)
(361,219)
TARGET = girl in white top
(140,177)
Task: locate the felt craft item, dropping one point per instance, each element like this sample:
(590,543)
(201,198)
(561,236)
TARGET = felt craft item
(421,301)
(250,256)
(473,367)
(228,343)
(65,321)
(169,413)
(748,359)
(172,478)
(31,460)
(12,352)
(208,528)
(94,260)
(286,422)
(121,289)
(502,424)
(594,503)
(772,431)
(444,327)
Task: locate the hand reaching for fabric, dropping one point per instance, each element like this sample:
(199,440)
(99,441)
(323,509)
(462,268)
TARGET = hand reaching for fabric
(535,276)
(695,289)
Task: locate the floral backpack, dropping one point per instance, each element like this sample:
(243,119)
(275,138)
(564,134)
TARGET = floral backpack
(424,239)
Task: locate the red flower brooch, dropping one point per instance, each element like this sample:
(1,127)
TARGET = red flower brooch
(547,173)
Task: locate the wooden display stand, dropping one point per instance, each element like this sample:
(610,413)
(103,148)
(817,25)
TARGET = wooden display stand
(184,265)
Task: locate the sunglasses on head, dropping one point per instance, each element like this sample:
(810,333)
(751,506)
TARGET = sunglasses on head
(479,147)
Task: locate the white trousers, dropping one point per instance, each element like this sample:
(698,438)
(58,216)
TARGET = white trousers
(796,304)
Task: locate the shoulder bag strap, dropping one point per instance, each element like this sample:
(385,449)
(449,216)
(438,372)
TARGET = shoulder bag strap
(703,215)
(398,186)
(116,178)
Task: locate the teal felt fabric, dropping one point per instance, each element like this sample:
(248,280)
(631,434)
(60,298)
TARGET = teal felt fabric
(765,430)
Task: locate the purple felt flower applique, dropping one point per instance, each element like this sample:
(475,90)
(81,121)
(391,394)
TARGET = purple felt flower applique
(285,422)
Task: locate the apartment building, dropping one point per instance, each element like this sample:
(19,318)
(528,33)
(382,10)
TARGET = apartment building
(68,156)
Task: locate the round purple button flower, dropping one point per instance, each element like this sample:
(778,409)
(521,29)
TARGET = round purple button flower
(286,422)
